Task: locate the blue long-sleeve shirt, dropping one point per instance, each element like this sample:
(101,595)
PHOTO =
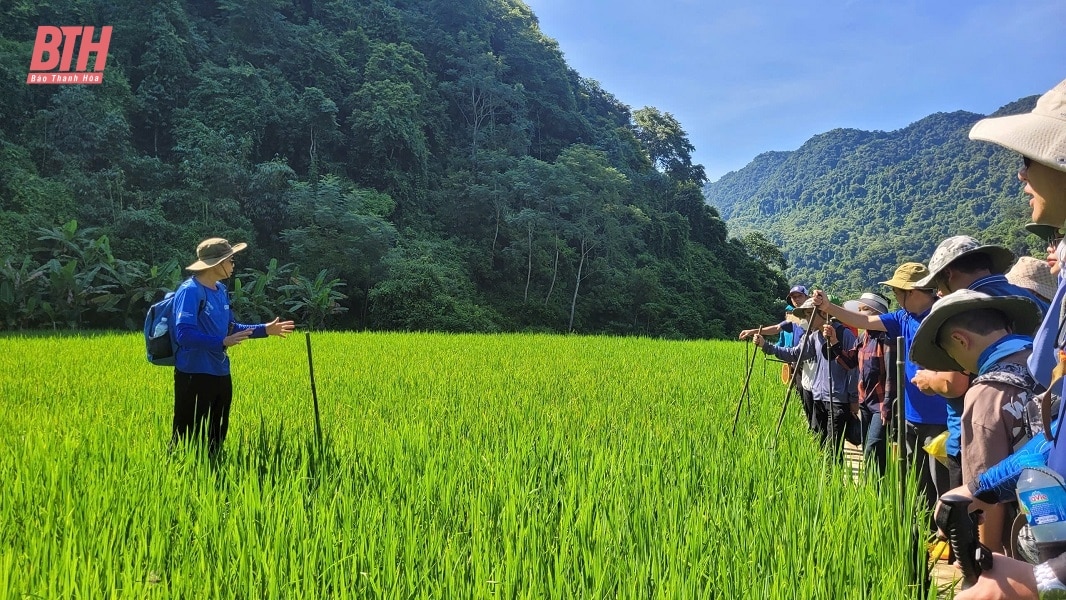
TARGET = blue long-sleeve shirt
(833,382)
(202,320)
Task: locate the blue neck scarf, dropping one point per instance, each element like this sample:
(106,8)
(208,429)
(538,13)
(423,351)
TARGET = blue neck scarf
(1004,347)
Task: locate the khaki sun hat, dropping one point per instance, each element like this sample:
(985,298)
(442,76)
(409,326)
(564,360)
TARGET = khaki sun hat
(1035,275)
(875,301)
(958,246)
(1039,135)
(907,276)
(1022,312)
(212,251)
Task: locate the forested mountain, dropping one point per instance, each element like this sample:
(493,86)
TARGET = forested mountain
(394,164)
(849,206)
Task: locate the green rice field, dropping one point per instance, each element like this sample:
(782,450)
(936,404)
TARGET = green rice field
(453,466)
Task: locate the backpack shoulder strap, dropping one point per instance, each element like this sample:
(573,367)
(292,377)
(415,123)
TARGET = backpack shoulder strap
(1010,374)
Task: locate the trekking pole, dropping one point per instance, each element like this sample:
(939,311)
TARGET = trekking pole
(838,444)
(901,419)
(314,392)
(791,384)
(747,380)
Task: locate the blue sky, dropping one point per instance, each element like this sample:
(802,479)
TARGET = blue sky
(751,76)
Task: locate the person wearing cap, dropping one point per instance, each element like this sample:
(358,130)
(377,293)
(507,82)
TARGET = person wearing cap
(1039,137)
(796,297)
(925,415)
(205,330)
(873,354)
(1053,236)
(989,336)
(1035,275)
(834,385)
(793,327)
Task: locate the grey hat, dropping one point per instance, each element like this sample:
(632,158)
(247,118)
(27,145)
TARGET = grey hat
(875,301)
(1022,312)
(958,246)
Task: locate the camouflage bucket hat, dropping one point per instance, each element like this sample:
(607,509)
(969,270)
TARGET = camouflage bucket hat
(958,246)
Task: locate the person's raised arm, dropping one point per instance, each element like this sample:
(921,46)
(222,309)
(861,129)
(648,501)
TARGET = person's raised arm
(768,330)
(845,316)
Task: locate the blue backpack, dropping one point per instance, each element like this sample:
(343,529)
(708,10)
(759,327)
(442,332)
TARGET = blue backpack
(160,343)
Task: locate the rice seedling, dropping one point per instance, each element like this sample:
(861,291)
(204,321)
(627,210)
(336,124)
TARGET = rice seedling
(453,466)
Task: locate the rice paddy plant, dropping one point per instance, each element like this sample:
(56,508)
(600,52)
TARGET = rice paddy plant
(453,466)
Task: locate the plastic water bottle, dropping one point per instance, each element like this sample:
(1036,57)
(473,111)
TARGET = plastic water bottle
(160,328)
(1042,497)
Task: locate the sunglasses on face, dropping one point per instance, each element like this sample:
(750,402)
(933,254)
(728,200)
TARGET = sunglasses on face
(1026,162)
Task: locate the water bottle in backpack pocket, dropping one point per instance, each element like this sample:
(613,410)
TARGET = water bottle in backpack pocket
(158,339)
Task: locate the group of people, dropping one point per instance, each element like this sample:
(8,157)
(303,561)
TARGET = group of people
(982,336)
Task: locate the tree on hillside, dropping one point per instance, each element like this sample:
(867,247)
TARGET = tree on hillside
(667,145)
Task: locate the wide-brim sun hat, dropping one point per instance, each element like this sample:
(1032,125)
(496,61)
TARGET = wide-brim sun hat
(1033,274)
(1022,313)
(212,251)
(1039,135)
(958,246)
(877,302)
(907,276)
(805,310)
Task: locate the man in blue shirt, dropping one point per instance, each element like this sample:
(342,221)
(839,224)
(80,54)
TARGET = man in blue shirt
(205,329)
(925,414)
(962,263)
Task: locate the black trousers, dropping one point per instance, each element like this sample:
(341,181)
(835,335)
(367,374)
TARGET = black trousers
(831,420)
(807,399)
(201,408)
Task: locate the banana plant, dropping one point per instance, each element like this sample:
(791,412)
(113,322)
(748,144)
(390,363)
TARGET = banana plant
(21,288)
(313,301)
(257,295)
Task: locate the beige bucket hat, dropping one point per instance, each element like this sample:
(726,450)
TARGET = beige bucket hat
(956,247)
(907,276)
(1023,313)
(1039,135)
(1033,274)
(212,251)
(805,310)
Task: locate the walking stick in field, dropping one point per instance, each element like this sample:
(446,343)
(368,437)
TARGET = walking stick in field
(901,408)
(747,379)
(314,392)
(792,382)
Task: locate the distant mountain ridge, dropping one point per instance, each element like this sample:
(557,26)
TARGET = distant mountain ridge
(848,206)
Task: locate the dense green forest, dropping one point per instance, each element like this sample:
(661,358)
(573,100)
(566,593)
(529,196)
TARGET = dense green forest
(849,206)
(394,164)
